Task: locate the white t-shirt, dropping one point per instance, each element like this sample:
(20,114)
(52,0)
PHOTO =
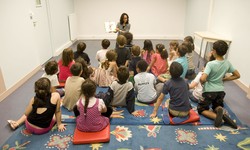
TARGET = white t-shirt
(53,79)
(101,55)
(197,93)
(145,87)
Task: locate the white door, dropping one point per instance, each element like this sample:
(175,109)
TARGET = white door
(39,17)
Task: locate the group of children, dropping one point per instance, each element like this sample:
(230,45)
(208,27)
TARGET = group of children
(154,73)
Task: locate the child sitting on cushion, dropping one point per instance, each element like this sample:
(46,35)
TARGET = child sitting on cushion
(177,88)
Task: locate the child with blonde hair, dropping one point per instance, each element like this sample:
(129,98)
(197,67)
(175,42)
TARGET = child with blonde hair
(173,45)
(123,53)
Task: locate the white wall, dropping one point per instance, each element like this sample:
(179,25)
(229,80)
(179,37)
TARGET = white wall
(197,16)
(59,11)
(159,19)
(21,46)
(227,18)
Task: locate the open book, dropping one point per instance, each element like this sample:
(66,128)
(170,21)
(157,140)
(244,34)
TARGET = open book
(110,26)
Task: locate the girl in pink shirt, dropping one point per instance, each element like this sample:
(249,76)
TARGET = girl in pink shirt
(159,63)
(147,51)
(65,63)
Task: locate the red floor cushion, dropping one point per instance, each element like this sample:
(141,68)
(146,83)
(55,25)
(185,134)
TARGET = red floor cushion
(193,117)
(80,137)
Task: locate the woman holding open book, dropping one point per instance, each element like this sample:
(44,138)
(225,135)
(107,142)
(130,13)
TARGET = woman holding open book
(123,26)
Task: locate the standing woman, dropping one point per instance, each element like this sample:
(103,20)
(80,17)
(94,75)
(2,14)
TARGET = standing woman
(123,26)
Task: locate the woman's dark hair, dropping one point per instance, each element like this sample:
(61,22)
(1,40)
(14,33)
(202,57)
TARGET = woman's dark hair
(122,16)
(81,47)
(67,56)
(51,67)
(163,52)
(105,43)
(148,46)
(175,70)
(86,72)
(42,90)
(88,89)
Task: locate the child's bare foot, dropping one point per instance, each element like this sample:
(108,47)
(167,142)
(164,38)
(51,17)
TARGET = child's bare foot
(13,124)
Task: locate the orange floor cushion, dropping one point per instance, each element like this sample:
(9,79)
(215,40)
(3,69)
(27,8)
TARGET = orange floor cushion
(102,136)
(193,117)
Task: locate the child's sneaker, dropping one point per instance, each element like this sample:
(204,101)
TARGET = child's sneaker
(229,121)
(218,119)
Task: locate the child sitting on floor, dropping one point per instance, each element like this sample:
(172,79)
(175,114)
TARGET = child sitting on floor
(159,63)
(107,73)
(43,110)
(88,110)
(177,88)
(80,52)
(101,54)
(195,95)
(51,70)
(145,84)
(73,87)
(65,63)
(136,50)
(121,93)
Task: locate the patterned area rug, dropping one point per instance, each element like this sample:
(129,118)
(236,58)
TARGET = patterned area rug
(122,116)
(138,137)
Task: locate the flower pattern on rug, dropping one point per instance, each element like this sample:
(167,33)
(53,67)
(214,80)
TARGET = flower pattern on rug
(220,137)
(117,114)
(141,113)
(152,130)
(58,141)
(211,148)
(186,136)
(122,133)
(244,144)
(96,146)
(155,120)
(18,146)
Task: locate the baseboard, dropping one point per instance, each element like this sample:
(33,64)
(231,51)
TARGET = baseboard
(66,45)
(243,87)
(19,83)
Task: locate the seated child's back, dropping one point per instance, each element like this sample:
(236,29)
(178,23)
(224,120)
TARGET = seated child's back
(90,108)
(73,87)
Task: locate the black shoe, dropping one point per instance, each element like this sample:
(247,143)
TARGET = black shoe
(229,121)
(218,119)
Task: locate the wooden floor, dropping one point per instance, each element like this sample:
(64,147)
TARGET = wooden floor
(14,105)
